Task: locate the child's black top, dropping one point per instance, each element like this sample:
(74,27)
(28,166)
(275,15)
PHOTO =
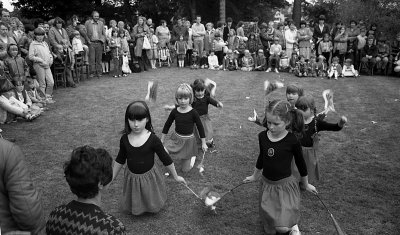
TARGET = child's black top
(309,130)
(204,61)
(201,104)
(141,159)
(184,123)
(275,158)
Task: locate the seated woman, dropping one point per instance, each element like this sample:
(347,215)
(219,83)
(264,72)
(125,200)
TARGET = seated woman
(87,172)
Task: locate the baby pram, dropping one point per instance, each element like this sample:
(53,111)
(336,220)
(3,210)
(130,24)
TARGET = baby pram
(164,57)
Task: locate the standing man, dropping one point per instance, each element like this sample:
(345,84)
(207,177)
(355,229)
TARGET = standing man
(97,37)
(199,31)
(227,29)
(178,30)
(5,16)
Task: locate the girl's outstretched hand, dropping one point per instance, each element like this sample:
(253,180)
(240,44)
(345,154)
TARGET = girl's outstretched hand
(310,188)
(204,147)
(343,120)
(180,179)
(249,179)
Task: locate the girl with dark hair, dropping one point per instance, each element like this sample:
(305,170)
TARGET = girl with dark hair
(144,188)
(310,138)
(280,193)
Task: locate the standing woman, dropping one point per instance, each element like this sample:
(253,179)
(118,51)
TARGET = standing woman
(240,30)
(163,34)
(140,31)
(304,36)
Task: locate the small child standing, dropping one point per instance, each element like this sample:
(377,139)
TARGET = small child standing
(335,69)
(325,47)
(310,138)
(183,145)
(348,69)
(15,65)
(153,52)
(116,53)
(144,188)
(181,48)
(126,56)
(279,199)
(200,103)
(213,61)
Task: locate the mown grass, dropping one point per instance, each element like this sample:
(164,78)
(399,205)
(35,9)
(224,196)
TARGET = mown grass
(360,164)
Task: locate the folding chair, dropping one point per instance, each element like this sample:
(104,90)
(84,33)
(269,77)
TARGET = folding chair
(81,69)
(59,75)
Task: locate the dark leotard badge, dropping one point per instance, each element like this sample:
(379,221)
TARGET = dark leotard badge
(271,152)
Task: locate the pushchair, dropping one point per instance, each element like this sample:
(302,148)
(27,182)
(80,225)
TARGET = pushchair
(164,57)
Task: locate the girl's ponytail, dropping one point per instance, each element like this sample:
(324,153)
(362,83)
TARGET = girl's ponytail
(297,123)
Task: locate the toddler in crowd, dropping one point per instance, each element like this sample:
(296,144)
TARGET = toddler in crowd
(213,61)
(284,62)
(79,48)
(275,52)
(322,66)
(181,48)
(195,60)
(260,62)
(247,61)
(348,69)
(301,67)
(204,60)
(230,62)
(312,67)
(15,65)
(31,87)
(335,69)
(116,53)
(152,54)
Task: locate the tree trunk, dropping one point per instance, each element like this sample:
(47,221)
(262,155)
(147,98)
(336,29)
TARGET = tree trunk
(297,12)
(192,7)
(222,10)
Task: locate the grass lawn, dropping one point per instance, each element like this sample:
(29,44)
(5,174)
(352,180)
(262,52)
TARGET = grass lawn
(360,164)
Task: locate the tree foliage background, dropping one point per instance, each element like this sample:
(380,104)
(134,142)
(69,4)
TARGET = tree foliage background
(383,12)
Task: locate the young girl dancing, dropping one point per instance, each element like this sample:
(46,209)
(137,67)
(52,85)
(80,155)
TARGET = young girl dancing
(183,144)
(309,140)
(200,103)
(279,192)
(144,186)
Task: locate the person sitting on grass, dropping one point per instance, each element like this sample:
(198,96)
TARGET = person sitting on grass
(348,69)
(88,172)
(230,62)
(204,60)
(275,52)
(335,69)
(31,87)
(247,61)
(301,67)
(260,62)
(213,61)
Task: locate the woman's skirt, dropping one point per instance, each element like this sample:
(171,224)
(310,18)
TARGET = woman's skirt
(182,147)
(143,192)
(208,129)
(279,203)
(311,158)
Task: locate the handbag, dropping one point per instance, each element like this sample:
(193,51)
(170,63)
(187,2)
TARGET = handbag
(146,43)
(125,65)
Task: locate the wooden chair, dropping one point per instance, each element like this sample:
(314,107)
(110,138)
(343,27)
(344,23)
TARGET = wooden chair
(80,68)
(59,75)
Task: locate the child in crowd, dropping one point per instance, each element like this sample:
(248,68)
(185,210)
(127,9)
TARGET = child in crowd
(348,69)
(397,63)
(106,56)
(181,47)
(325,47)
(218,47)
(247,61)
(382,58)
(116,53)
(313,67)
(125,53)
(79,48)
(42,58)
(230,62)
(63,58)
(15,65)
(200,103)
(69,62)
(284,62)
(322,67)
(279,199)
(340,44)
(335,69)
(233,40)
(204,60)
(153,52)
(260,62)
(213,61)
(293,62)
(301,67)
(195,60)
(253,43)
(182,144)
(275,52)
(144,188)
(22,99)
(31,86)
(310,137)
